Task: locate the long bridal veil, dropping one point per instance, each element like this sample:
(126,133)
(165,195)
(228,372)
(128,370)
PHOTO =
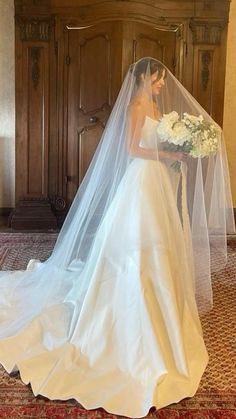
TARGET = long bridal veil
(208,186)
(202,193)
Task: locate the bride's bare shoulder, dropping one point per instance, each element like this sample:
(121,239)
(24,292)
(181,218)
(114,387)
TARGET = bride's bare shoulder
(137,104)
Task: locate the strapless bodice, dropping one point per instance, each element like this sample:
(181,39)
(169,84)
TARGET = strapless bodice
(149,137)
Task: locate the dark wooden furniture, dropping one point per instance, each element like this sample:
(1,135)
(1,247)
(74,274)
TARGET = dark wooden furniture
(71,58)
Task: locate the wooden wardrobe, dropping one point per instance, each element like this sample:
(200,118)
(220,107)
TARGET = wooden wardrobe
(71,58)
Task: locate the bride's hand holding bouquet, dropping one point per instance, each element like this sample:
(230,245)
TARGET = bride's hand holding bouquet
(190,136)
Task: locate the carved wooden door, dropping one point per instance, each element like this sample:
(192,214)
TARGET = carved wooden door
(145,40)
(94,78)
(98,57)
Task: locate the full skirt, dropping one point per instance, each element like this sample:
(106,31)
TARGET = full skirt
(131,337)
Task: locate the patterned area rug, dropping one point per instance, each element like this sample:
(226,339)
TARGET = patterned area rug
(216,396)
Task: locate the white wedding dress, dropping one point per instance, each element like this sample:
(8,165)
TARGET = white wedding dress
(132,339)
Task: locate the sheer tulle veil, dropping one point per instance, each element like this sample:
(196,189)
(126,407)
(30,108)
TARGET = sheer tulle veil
(201,189)
(208,186)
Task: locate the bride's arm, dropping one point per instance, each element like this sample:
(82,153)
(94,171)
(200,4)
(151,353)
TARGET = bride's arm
(136,122)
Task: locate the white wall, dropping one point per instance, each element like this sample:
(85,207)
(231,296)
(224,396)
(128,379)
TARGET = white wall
(230,98)
(7,104)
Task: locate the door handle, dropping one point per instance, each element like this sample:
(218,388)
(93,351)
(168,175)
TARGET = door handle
(93,119)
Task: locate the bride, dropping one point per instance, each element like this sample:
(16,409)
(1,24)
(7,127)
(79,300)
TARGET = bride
(111,318)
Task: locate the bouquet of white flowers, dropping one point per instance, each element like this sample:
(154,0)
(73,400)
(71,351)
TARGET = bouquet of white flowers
(191,134)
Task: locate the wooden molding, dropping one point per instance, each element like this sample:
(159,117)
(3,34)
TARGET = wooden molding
(206,32)
(35,28)
(33,213)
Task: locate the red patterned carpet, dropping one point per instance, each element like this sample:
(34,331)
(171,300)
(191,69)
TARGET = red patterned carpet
(216,396)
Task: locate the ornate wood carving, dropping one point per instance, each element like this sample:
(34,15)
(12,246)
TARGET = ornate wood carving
(206,60)
(35,69)
(35,28)
(60,203)
(206,32)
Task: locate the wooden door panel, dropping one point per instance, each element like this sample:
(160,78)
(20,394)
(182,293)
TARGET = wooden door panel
(94,73)
(156,43)
(32,168)
(93,83)
(97,55)
(144,40)
(88,140)
(147,46)
(207,88)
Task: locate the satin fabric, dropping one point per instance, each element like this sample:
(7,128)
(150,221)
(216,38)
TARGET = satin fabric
(132,339)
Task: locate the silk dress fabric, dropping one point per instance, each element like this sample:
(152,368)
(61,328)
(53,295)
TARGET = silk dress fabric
(136,341)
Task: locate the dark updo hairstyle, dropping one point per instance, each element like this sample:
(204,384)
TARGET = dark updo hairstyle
(141,68)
